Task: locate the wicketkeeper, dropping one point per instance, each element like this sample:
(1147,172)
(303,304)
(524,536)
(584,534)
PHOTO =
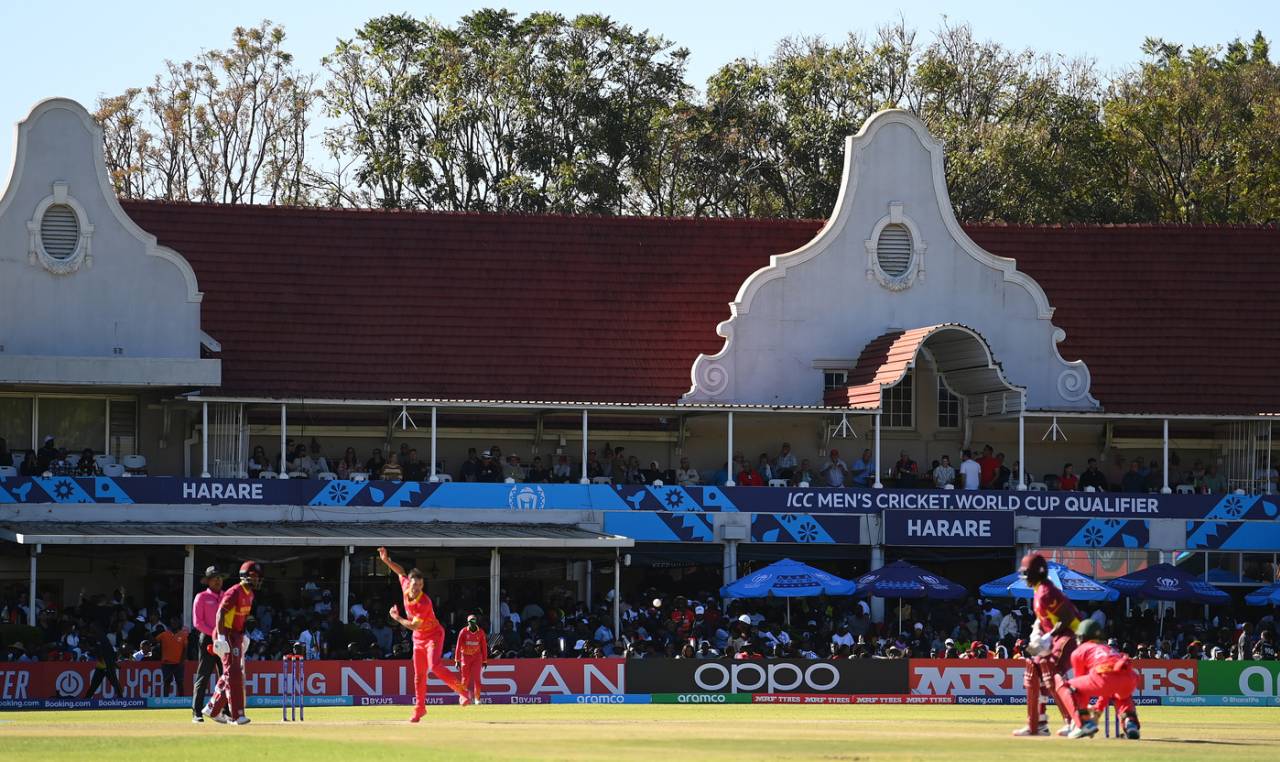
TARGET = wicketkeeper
(1106,674)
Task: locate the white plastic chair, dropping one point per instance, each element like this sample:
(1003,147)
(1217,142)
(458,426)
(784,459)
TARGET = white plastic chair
(442,478)
(509,480)
(1090,488)
(1038,487)
(102,459)
(657,483)
(18,458)
(326,476)
(803,484)
(73,459)
(135,463)
(602,480)
(948,486)
(358,476)
(298,475)
(268,475)
(778,483)
(1185,489)
(114,470)
(7,472)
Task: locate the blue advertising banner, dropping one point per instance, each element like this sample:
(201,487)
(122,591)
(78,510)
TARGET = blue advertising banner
(1213,510)
(1094,533)
(948,528)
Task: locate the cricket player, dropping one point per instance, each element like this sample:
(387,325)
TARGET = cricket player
(1049,649)
(229,645)
(204,616)
(1103,672)
(470,655)
(428,635)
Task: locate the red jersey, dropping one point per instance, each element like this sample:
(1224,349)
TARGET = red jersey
(420,611)
(1052,608)
(989,467)
(234,608)
(1094,656)
(1069,483)
(472,647)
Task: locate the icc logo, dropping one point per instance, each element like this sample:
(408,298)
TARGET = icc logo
(932,580)
(1168,583)
(526,498)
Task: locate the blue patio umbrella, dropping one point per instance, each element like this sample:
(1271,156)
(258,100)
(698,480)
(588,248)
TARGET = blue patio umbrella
(1076,586)
(1166,582)
(901,579)
(788,579)
(1265,596)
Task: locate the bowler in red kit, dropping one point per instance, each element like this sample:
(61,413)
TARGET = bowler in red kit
(428,635)
(1102,673)
(1048,650)
(228,644)
(470,655)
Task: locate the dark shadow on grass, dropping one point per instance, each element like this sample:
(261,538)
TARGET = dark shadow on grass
(1194,741)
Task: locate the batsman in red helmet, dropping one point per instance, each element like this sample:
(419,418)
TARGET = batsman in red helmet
(228,644)
(1048,649)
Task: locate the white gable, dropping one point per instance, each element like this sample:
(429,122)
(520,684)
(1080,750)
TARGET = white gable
(822,303)
(86,296)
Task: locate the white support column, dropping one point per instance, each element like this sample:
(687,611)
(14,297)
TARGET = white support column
(344,585)
(433,444)
(1022,444)
(31,589)
(590,573)
(495,592)
(876,460)
(729,463)
(877,561)
(1165,489)
(204,440)
(730,562)
(188,584)
(284,442)
(584,479)
(617,595)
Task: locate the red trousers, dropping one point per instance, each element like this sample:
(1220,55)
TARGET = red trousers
(230,687)
(471,672)
(426,660)
(1115,686)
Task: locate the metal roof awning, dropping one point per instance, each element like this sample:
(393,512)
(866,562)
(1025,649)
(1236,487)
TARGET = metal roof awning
(434,534)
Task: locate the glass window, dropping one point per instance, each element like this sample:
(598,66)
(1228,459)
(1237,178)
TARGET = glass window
(834,379)
(15,422)
(948,407)
(899,404)
(75,423)
(124,428)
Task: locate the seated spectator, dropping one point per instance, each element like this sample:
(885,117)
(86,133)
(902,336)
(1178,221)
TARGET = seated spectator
(350,464)
(595,469)
(402,457)
(1214,484)
(618,466)
(258,462)
(1093,477)
(944,474)
(750,477)
(87,465)
(863,472)
(804,473)
(763,468)
(1133,480)
(835,470)
(905,470)
(391,471)
(634,475)
(313,464)
(538,474)
(47,454)
(414,470)
(1068,482)
(721,476)
(784,466)
(30,465)
(687,475)
(563,471)
(373,466)
(490,469)
(1116,473)
(1155,477)
(470,470)
(6,457)
(512,468)
(651,474)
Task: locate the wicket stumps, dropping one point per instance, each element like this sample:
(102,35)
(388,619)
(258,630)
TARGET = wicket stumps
(293,684)
(1107,724)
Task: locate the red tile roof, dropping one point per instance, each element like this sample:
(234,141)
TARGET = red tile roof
(328,303)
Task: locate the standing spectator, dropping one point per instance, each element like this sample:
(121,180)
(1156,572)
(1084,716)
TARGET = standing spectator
(1133,481)
(1003,473)
(373,466)
(618,467)
(687,475)
(1245,643)
(1093,477)
(595,469)
(835,470)
(988,468)
(470,467)
(1265,650)
(1068,482)
(863,471)
(944,474)
(970,471)
(402,457)
(6,457)
(785,464)
(1116,473)
(173,649)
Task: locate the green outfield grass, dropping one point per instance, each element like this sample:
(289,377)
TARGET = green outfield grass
(650,733)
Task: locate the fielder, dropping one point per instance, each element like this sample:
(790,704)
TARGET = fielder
(1106,674)
(228,645)
(428,636)
(1048,650)
(470,655)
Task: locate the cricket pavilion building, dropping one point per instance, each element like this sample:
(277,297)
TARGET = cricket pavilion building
(174,339)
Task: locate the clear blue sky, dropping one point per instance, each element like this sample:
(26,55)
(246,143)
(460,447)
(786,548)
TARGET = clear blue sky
(82,49)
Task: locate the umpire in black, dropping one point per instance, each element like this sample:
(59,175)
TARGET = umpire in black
(204,613)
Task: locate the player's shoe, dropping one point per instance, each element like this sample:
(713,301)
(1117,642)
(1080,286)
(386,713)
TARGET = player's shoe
(1131,730)
(221,719)
(418,714)
(1065,730)
(1025,730)
(197,718)
(463,701)
(1088,730)
(241,720)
